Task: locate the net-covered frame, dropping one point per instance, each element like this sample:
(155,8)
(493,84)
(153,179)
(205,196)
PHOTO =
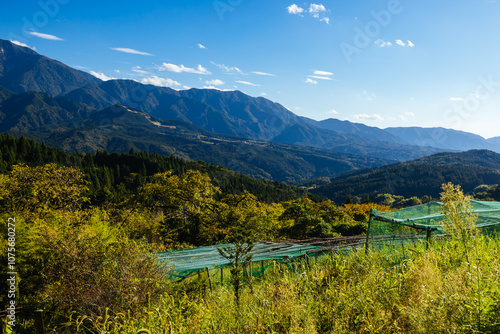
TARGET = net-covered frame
(417,224)
(184,263)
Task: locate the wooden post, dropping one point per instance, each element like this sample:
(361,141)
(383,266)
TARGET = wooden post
(429,238)
(222,276)
(307,261)
(209,279)
(40,327)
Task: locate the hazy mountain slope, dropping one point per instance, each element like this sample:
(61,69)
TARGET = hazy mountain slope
(23,70)
(419,177)
(309,135)
(361,130)
(442,138)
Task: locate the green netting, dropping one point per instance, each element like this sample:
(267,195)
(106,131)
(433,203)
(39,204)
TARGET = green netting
(417,224)
(186,262)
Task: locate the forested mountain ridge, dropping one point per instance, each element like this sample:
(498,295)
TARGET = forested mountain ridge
(419,177)
(112,175)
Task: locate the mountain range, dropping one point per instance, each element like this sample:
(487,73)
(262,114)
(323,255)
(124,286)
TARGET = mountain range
(418,177)
(46,100)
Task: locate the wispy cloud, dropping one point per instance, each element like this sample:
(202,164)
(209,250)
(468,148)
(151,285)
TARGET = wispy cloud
(181,68)
(263,94)
(264,73)
(80,67)
(22,44)
(229,69)
(320,77)
(101,76)
(158,81)
(317,11)
(381,43)
(137,69)
(366,117)
(333,111)
(457,99)
(247,83)
(201,46)
(132,51)
(311,81)
(323,73)
(215,82)
(45,36)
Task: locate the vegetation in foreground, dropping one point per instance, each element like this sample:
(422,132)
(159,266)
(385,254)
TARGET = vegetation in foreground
(85,263)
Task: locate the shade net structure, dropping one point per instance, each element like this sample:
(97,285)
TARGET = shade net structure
(184,263)
(419,224)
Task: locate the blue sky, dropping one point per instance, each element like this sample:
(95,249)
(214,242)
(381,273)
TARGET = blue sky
(382,63)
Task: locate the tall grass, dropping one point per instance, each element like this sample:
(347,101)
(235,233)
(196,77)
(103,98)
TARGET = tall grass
(434,291)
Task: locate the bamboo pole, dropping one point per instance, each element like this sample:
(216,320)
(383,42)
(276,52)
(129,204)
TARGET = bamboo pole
(209,279)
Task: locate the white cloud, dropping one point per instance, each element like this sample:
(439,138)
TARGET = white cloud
(22,44)
(131,51)
(400,42)
(381,43)
(201,46)
(248,83)
(264,73)
(333,111)
(311,81)
(117,71)
(80,67)
(294,9)
(181,68)
(215,82)
(217,88)
(456,99)
(137,69)
(263,94)
(227,68)
(157,81)
(409,113)
(366,117)
(101,76)
(323,73)
(45,36)
(315,8)
(410,44)
(320,77)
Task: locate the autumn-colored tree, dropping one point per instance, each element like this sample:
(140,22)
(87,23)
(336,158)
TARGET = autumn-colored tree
(34,191)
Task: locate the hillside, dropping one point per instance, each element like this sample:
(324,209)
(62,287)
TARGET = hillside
(117,129)
(108,171)
(417,177)
(23,70)
(443,138)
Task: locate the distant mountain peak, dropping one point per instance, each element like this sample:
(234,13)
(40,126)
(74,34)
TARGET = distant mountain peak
(22,70)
